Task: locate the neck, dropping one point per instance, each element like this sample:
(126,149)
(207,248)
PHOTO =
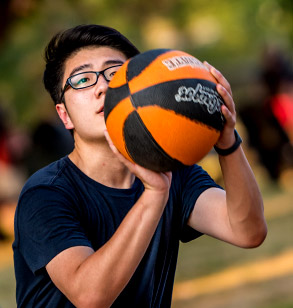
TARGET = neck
(100,164)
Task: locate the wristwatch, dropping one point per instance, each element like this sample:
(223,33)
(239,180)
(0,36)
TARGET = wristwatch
(234,147)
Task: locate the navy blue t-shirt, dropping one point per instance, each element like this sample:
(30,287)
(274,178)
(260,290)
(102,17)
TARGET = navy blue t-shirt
(60,207)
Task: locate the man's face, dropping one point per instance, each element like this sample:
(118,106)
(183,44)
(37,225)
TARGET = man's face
(84,110)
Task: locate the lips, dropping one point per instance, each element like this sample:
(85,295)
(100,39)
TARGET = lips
(101,109)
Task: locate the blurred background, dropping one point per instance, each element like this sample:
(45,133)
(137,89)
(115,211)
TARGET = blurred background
(250,42)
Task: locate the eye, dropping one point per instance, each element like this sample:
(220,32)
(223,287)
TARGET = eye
(111,71)
(82,80)
(114,71)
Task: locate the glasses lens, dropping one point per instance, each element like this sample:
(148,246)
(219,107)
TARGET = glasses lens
(83,80)
(111,71)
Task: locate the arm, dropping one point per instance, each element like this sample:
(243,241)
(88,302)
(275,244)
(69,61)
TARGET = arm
(95,279)
(235,215)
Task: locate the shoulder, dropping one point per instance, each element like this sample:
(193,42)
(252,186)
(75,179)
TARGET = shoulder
(187,169)
(190,182)
(47,174)
(49,189)
(47,196)
(54,175)
(194,174)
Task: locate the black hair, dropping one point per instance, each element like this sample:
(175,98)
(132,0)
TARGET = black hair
(64,44)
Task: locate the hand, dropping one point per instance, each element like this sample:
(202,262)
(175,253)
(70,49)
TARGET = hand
(153,181)
(227,137)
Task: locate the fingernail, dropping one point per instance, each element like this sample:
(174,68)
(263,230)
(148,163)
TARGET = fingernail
(220,87)
(214,71)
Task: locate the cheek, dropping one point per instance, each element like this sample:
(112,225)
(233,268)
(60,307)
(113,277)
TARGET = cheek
(79,117)
(83,112)
(85,118)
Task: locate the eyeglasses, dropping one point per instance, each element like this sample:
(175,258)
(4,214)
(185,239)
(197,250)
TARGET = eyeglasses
(88,79)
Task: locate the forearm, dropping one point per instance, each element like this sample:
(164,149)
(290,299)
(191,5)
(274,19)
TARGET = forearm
(104,274)
(243,198)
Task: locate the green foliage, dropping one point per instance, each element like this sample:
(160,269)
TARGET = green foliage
(229,34)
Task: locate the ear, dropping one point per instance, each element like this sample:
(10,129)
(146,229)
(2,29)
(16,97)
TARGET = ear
(64,116)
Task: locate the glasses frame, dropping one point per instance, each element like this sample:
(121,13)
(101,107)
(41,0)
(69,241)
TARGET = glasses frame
(69,83)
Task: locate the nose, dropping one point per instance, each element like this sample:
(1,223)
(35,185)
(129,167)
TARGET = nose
(101,86)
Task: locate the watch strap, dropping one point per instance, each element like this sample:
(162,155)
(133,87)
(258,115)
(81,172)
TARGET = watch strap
(233,148)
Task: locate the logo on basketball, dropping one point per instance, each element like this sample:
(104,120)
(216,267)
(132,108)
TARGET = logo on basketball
(200,95)
(182,61)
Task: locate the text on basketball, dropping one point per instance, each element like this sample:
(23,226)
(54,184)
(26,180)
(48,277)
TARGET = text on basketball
(201,95)
(181,61)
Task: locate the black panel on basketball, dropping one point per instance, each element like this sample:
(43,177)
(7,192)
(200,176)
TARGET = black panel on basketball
(139,141)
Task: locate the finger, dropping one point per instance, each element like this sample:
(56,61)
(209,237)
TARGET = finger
(110,142)
(227,98)
(230,119)
(219,77)
(208,66)
(115,150)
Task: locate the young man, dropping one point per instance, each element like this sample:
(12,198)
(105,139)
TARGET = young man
(93,229)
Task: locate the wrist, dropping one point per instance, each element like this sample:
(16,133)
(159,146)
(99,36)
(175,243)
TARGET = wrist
(233,148)
(158,197)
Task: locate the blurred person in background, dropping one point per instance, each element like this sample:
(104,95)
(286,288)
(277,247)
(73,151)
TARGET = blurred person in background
(277,75)
(4,161)
(5,151)
(269,118)
(49,142)
(95,230)
(14,145)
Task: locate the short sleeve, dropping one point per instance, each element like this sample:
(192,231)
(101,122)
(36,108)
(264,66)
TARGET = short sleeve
(194,181)
(47,223)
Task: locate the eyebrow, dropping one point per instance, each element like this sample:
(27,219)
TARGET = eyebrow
(79,68)
(84,66)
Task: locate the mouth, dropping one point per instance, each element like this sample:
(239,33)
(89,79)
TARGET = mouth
(101,110)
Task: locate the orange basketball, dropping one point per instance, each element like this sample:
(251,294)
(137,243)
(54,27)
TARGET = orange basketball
(162,110)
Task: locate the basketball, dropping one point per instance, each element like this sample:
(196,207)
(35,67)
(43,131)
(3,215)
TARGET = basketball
(162,110)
